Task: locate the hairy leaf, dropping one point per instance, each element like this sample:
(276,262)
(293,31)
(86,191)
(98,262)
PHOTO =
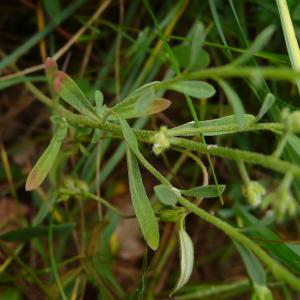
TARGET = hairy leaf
(141,204)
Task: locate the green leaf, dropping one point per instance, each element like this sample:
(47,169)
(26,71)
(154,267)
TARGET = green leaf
(269,100)
(214,290)
(100,109)
(197,43)
(166,194)
(193,88)
(69,91)
(141,103)
(234,101)
(186,259)
(27,234)
(51,69)
(133,111)
(261,40)
(141,204)
(207,191)
(254,268)
(53,8)
(47,159)
(99,98)
(223,125)
(146,91)
(182,55)
(129,135)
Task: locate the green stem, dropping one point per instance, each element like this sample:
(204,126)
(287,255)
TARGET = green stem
(277,269)
(243,172)
(146,136)
(230,71)
(237,155)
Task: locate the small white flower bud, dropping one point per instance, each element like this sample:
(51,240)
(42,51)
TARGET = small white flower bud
(161,141)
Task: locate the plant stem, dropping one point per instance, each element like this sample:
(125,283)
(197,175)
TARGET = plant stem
(277,269)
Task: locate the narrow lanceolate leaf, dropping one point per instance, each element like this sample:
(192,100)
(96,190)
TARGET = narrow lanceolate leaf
(99,98)
(186,259)
(166,194)
(46,161)
(207,191)
(267,104)
(254,268)
(133,111)
(141,204)
(146,91)
(69,91)
(129,135)
(141,103)
(193,88)
(261,40)
(223,125)
(234,101)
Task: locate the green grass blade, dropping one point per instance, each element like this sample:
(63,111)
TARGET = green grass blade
(29,233)
(289,35)
(234,101)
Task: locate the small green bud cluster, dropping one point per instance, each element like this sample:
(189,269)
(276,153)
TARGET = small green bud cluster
(254,192)
(72,187)
(161,141)
(291,120)
(282,200)
(171,214)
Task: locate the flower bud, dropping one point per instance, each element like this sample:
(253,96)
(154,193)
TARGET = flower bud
(282,202)
(72,187)
(254,192)
(294,121)
(171,215)
(161,141)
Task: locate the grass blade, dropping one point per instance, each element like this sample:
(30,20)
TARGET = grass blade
(234,101)
(261,40)
(27,234)
(289,35)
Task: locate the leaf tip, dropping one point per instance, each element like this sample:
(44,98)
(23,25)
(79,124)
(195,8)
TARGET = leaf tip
(58,80)
(50,63)
(159,105)
(31,183)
